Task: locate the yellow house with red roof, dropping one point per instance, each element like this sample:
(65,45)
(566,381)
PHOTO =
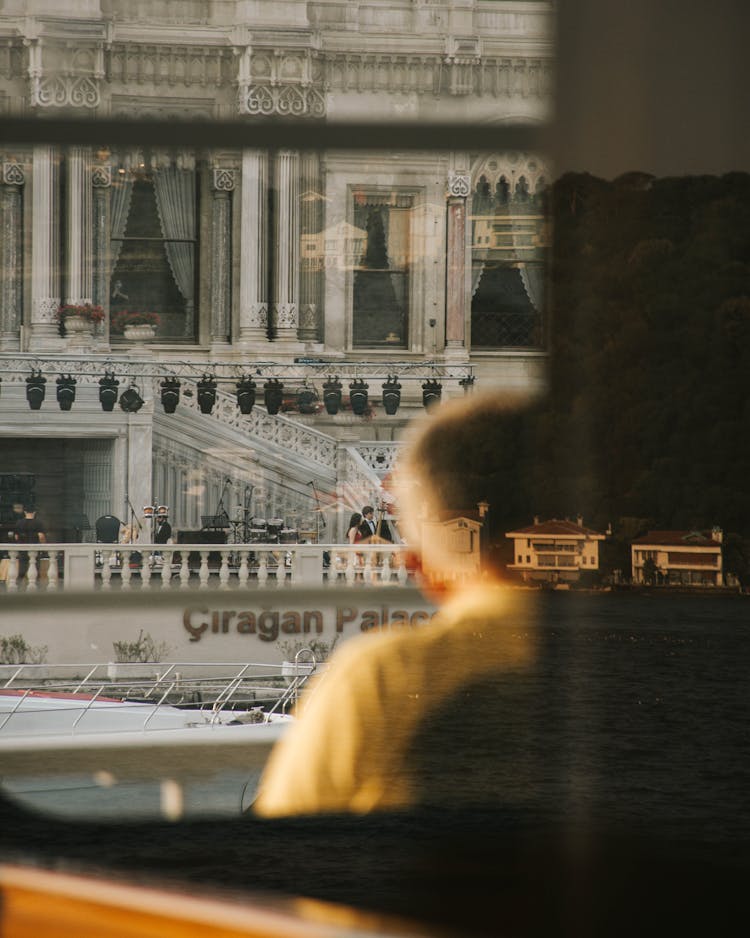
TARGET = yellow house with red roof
(555,551)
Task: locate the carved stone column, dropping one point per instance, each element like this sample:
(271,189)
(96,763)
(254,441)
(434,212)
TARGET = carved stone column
(221,255)
(459,186)
(311,270)
(11,255)
(254,250)
(101,181)
(79,265)
(285,313)
(45,246)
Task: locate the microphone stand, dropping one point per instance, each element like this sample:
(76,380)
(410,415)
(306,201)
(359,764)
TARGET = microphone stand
(319,518)
(133,520)
(245,512)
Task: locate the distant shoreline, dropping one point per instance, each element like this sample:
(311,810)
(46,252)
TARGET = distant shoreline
(712,591)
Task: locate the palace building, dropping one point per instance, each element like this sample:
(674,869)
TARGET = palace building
(315,276)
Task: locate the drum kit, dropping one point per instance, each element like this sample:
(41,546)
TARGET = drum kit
(271,531)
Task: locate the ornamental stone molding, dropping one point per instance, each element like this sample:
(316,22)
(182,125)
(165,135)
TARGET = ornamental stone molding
(101,177)
(13,174)
(170,65)
(287,101)
(380,457)
(62,73)
(66,91)
(308,316)
(223,180)
(45,308)
(257,315)
(459,185)
(510,167)
(285,315)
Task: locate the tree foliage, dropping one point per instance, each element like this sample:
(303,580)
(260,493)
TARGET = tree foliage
(648,411)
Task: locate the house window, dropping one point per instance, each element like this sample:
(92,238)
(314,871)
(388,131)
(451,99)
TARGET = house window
(154,244)
(381,270)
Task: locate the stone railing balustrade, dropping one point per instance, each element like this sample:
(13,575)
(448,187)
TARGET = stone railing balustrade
(200,566)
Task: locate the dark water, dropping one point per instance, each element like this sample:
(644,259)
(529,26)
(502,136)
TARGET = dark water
(636,713)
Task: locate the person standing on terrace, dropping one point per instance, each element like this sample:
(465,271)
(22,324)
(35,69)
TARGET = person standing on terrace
(372,734)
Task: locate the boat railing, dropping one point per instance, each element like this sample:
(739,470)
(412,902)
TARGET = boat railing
(212,689)
(304,666)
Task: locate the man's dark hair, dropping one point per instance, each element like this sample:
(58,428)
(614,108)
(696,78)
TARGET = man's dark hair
(368,510)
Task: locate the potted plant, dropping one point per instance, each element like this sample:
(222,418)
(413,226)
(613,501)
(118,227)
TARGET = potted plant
(79,317)
(135,327)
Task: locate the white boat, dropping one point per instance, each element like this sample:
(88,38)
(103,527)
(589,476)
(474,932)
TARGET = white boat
(35,701)
(190,739)
(48,713)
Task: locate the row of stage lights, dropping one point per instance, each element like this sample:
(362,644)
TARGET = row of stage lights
(246,389)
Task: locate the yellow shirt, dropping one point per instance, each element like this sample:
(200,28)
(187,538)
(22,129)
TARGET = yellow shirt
(353,746)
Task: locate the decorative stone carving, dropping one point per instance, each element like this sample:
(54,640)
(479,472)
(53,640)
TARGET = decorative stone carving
(459,185)
(381,457)
(66,91)
(101,177)
(285,315)
(257,315)
(45,308)
(223,180)
(13,174)
(308,317)
(171,65)
(290,100)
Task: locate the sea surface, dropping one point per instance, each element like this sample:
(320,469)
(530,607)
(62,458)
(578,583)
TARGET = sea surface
(636,712)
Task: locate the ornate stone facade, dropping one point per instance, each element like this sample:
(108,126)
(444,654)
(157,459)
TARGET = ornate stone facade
(260,267)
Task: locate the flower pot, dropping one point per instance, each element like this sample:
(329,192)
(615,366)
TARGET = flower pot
(139,332)
(78,327)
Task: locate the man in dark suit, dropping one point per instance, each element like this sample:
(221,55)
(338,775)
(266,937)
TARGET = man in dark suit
(370,527)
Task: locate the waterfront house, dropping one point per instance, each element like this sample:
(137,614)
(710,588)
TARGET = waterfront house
(459,537)
(678,558)
(555,551)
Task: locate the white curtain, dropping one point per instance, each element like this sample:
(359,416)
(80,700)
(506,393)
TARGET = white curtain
(119,211)
(532,278)
(175,201)
(477,269)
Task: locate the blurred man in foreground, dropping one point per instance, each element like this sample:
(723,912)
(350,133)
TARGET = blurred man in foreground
(400,719)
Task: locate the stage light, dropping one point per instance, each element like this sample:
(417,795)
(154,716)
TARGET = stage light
(170,394)
(108,386)
(245,394)
(66,391)
(332,395)
(391,395)
(307,400)
(207,394)
(358,396)
(431,392)
(35,389)
(273,395)
(467,383)
(130,400)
